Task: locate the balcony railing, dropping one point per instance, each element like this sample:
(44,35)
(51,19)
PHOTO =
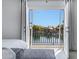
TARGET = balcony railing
(47,38)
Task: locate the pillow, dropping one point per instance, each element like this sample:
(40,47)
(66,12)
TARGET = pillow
(36,54)
(8,54)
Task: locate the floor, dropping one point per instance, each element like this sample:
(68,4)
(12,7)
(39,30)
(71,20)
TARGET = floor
(47,46)
(73,55)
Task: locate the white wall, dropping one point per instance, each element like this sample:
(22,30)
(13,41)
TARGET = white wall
(74,19)
(11,19)
(73,24)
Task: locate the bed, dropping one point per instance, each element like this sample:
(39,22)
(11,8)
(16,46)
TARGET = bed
(34,53)
(9,47)
(14,43)
(20,51)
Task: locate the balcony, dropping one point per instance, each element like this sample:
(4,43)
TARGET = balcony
(46,37)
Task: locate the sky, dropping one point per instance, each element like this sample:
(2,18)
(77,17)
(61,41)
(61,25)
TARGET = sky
(47,17)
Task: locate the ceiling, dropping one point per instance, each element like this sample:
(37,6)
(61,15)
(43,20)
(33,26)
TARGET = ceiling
(46,4)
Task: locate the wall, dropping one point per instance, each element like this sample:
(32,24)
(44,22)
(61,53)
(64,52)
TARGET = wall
(73,24)
(11,19)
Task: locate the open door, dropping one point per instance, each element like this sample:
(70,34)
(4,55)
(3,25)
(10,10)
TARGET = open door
(66,29)
(36,6)
(46,28)
(45,6)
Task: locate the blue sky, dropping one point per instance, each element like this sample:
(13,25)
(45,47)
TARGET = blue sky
(47,17)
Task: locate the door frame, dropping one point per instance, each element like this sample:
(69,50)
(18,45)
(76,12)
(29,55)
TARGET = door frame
(28,6)
(66,29)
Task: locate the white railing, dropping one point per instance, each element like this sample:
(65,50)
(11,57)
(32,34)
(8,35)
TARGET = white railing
(46,39)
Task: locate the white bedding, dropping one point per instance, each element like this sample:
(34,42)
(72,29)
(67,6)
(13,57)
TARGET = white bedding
(13,43)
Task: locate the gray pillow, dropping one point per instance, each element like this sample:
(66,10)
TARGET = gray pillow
(8,54)
(36,54)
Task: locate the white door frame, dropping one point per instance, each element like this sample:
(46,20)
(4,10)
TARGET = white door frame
(27,27)
(43,5)
(66,29)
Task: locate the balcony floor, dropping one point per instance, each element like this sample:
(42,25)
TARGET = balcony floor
(46,46)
